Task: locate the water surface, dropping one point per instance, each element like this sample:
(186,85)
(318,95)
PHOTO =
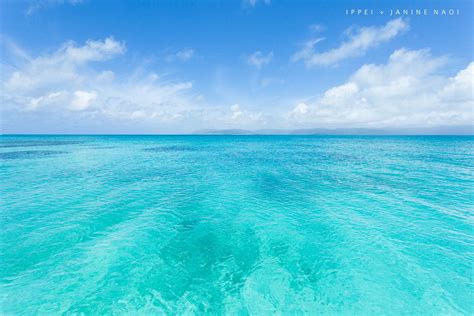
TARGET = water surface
(236,224)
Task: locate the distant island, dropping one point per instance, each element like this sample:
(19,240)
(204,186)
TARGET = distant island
(440,130)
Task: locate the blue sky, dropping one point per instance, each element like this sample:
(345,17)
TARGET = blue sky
(72,66)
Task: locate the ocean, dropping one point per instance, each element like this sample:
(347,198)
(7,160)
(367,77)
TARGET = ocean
(247,225)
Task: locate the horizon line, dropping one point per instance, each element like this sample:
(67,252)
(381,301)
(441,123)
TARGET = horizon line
(222,134)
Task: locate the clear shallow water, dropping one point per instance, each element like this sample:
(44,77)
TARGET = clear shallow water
(236,224)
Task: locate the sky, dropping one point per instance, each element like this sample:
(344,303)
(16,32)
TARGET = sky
(126,67)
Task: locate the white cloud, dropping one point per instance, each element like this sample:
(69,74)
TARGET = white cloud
(358,42)
(185,54)
(48,99)
(82,100)
(408,91)
(259,59)
(106,76)
(66,81)
(316,28)
(236,112)
(242,117)
(460,88)
(253,3)
(91,51)
(65,87)
(182,55)
(300,109)
(62,67)
(36,5)
(307,51)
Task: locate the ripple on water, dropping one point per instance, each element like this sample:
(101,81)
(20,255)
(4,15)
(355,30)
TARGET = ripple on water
(171,148)
(235,225)
(42,143)
(30,154)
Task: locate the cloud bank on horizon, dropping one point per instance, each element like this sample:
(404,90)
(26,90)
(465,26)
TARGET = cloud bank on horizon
(408,90)
(105,85)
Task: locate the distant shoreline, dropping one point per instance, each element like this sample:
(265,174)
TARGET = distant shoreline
(250,135)
(435,131)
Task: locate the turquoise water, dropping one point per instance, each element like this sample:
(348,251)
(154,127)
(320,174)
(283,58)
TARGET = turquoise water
(236,225)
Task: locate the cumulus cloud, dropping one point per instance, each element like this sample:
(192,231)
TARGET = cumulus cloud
(47,99)
(62,67)
(66,87)
(91,51)
(358,42)
(242,117)
(66,81)
(82,100)
(410,90)
(300,109)
(259,59)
